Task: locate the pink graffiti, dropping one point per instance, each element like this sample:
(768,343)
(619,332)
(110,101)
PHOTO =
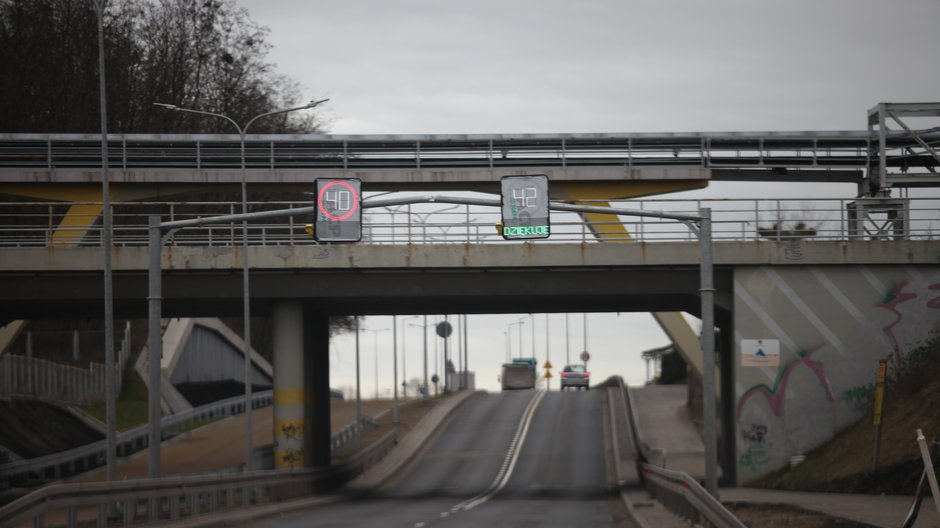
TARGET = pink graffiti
(935,302)
(896,296)
(775,396)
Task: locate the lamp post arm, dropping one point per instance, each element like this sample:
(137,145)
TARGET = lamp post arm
(241,131)
(284,111)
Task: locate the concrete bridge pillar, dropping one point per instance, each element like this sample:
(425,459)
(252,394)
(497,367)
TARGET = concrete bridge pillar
(288,358)
(301,386)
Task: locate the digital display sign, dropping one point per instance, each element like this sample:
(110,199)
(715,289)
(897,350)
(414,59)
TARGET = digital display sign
(338,210)
(525,207)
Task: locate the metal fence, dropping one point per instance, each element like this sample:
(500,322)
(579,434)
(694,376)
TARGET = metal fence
(44,224)
(24,376)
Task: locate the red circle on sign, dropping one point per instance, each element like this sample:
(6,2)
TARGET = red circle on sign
(355,200)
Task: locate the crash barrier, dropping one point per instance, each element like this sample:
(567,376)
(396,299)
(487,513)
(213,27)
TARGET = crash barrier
(39,470)
(675,490)
(174,498)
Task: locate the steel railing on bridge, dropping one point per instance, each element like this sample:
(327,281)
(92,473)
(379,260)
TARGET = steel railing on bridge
(842,150)
(41,224)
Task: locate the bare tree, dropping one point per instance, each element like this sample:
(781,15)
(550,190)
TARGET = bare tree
(205,54)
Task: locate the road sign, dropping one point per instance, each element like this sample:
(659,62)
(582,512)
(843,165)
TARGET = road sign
(338,210)
(444,329)
(585,357)
(548,374)
(525,207)
(548,364)
(760,352)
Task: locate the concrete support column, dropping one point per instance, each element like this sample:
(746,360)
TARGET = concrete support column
(317,383)
(288,385)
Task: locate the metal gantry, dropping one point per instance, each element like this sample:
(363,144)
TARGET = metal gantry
(700,224)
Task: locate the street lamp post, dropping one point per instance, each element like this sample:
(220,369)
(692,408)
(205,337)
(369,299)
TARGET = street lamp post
(404,354)
(242,130)
(106,243)
(427,390)
(375,354)
(520,322)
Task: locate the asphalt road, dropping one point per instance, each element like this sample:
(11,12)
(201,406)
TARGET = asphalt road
(558,479)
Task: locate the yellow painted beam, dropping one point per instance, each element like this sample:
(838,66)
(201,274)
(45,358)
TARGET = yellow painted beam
(673,324)
(606,227)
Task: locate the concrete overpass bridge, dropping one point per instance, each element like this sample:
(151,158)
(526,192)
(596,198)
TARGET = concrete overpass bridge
(852,283)
(834,299)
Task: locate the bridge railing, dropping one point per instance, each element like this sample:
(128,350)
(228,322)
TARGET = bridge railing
(43,224)
(676,491)
(834,151)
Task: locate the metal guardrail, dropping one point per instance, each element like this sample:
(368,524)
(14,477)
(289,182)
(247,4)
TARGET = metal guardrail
(38,224)
(685,497)
(83,458)
(37,470)
(677,491)
(173,498)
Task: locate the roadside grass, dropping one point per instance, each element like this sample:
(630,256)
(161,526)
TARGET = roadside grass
(844,464)
(131,409)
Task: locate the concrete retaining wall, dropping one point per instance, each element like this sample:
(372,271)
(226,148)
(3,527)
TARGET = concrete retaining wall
(832,324)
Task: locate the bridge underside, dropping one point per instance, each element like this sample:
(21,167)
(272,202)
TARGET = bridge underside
(366,292)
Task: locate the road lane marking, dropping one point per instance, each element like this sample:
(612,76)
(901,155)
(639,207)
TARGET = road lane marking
(509,463)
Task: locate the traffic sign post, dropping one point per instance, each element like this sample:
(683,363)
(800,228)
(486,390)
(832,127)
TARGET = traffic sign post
(338,210)
(525,207)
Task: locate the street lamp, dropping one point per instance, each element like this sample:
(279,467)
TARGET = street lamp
(404,353)
(375,354)
(242,130)
(520,322)
(427,391)
(106,243)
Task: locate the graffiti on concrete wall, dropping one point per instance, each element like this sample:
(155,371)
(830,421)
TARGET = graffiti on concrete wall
(753,452)
(776,395)
(894,297)
(859,398)
(852,316)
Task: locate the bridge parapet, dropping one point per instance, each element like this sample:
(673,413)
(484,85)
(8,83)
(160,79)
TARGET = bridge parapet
(39,224)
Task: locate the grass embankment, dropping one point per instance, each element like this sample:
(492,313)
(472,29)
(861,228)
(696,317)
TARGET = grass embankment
(912,401)
(131,409)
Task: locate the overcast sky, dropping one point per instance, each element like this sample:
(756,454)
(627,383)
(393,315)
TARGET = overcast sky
(551,66)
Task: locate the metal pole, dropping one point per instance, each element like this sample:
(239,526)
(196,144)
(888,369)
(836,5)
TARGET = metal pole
(242,130)
(375,362)
(106,243)
(394,369)
(928,468)
(246,308)
(567,341)
(584,319)
(521,322)
(154,344)
(707,291)
(447,387)
(548,381)
(427,388)
(358,392)
(533,335)
(466,355)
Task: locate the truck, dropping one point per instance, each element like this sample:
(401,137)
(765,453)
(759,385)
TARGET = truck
(520,374)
